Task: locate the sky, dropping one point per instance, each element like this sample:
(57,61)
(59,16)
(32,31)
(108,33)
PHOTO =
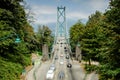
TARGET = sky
(45,11)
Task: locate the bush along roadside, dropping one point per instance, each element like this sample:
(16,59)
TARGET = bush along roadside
(10,71)
(91,68)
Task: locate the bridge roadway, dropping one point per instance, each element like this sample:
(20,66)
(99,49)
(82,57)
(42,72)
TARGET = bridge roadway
(74,73)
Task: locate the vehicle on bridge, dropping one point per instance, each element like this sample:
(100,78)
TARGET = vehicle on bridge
(52,67)
(67,56)
(56,57)
(61,61)
(61,55)
(61,75)
(50,75)
(69,65)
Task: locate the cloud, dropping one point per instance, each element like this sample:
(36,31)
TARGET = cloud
(44,9)
(75,0)
(77,15)
(45,21)
(44,14)
(98,4)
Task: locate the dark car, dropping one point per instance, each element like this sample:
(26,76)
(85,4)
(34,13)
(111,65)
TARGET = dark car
(67,57)
(69,65)
(56,57)
(64,47)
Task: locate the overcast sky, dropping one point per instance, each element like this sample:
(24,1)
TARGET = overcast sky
(45,11)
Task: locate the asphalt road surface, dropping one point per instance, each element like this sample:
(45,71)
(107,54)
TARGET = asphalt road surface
(62,72)
(42,70)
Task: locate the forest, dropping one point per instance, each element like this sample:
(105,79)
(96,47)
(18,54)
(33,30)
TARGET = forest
(99,40)
(18,39)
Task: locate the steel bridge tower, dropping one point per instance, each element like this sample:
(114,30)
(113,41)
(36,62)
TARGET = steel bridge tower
(61,23)
(61,36)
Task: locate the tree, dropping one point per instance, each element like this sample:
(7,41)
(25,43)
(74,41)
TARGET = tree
(44,35)
(76,32)
(110,67)
(89,41)
(100,41)
(12,22)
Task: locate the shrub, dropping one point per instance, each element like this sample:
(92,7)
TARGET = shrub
(9,70)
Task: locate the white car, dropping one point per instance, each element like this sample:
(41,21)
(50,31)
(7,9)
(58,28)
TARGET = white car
(61,55)
(50,75)
(61,62)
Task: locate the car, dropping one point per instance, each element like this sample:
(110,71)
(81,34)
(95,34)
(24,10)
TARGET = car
(61,55)
(61,62)
(52,67)
(50,75)
(69,65)
(61,75)
(67,57)
(64,47)
(65,50)
(56,57)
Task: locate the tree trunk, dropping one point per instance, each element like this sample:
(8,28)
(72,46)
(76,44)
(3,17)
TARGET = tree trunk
(89,61)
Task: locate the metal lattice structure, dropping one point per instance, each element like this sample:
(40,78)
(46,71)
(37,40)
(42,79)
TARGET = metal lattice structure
(61,36)
(61,23)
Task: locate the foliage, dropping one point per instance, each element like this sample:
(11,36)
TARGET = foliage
(76,32)
(9,71)
(30,38)
(13,24)
(91,37)
(13,56)
(111,70)
(40,53)
(107,72)
(44,35)
(100,41)
(90,68)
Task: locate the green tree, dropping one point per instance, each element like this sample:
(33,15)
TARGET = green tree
(76,32)
(89,41)
(110,67)
(100,41)
(13,56)
(44,35)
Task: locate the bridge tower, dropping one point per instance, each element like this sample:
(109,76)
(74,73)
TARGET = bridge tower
(61,23)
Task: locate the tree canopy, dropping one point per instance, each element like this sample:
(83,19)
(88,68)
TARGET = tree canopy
(14,57)
(100,40)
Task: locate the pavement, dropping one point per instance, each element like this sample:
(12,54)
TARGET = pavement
(31,74)
(92,76)
(42,70)
(77,71)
